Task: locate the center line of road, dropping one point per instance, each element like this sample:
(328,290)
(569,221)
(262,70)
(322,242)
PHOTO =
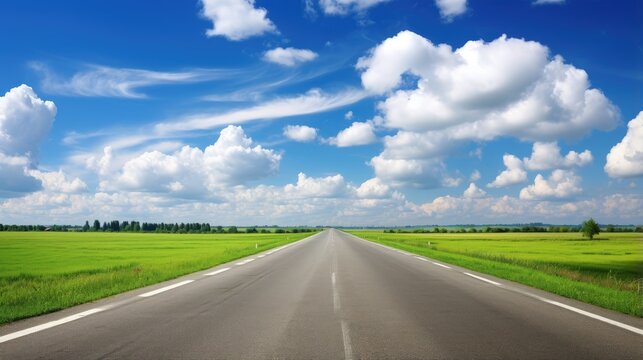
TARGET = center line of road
(163,289)
(49,325)
(348,348)
(217,272)
(483,279)
(335,294)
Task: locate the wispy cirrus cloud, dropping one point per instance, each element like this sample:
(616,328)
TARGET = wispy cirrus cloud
(343,7)
(314,101)
(124,142)
(544,2)
(104,81)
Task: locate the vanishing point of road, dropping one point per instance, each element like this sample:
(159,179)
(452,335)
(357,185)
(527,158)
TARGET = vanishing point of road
(329,296)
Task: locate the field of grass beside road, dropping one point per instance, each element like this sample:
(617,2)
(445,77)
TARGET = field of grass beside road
(606,271)
(42,272)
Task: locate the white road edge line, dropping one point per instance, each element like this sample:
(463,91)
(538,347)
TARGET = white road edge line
(244,262)
(164,289)
(421,258)
(593,316)
(83,314)
(551,302)
(483,279)
(49,325)
(438,264)
(260,256)
(217,272)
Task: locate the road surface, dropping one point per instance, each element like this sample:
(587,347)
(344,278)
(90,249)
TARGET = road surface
(330,296)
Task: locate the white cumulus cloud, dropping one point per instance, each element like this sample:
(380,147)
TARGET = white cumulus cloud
(514,174)
(233,159)
(438,98)
(309,187)
(373,188)
(414,173)
(289,56)
(562,184)
(474,192)
(625,159)
(451,8)
(507,87)
(58,181)
(301,133)
(25,122)
(359,133)
(547,156)
(236,19)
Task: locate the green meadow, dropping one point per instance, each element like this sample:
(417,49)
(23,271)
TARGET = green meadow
(41,272)
(606,271)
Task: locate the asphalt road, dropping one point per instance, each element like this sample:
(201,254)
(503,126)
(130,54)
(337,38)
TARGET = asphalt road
(330,296)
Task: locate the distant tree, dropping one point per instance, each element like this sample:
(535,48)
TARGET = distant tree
(96,226)
(590,228)
(86,226)
(233,230)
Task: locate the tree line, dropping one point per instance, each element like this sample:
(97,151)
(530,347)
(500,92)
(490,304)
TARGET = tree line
(145,227)
(516,229)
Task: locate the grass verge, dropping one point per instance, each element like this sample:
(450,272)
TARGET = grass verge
(44,272)
(605,272)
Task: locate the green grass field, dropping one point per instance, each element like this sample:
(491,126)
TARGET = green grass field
(606,271)
(42,272)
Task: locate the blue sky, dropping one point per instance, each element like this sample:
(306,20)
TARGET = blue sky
(347,112)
